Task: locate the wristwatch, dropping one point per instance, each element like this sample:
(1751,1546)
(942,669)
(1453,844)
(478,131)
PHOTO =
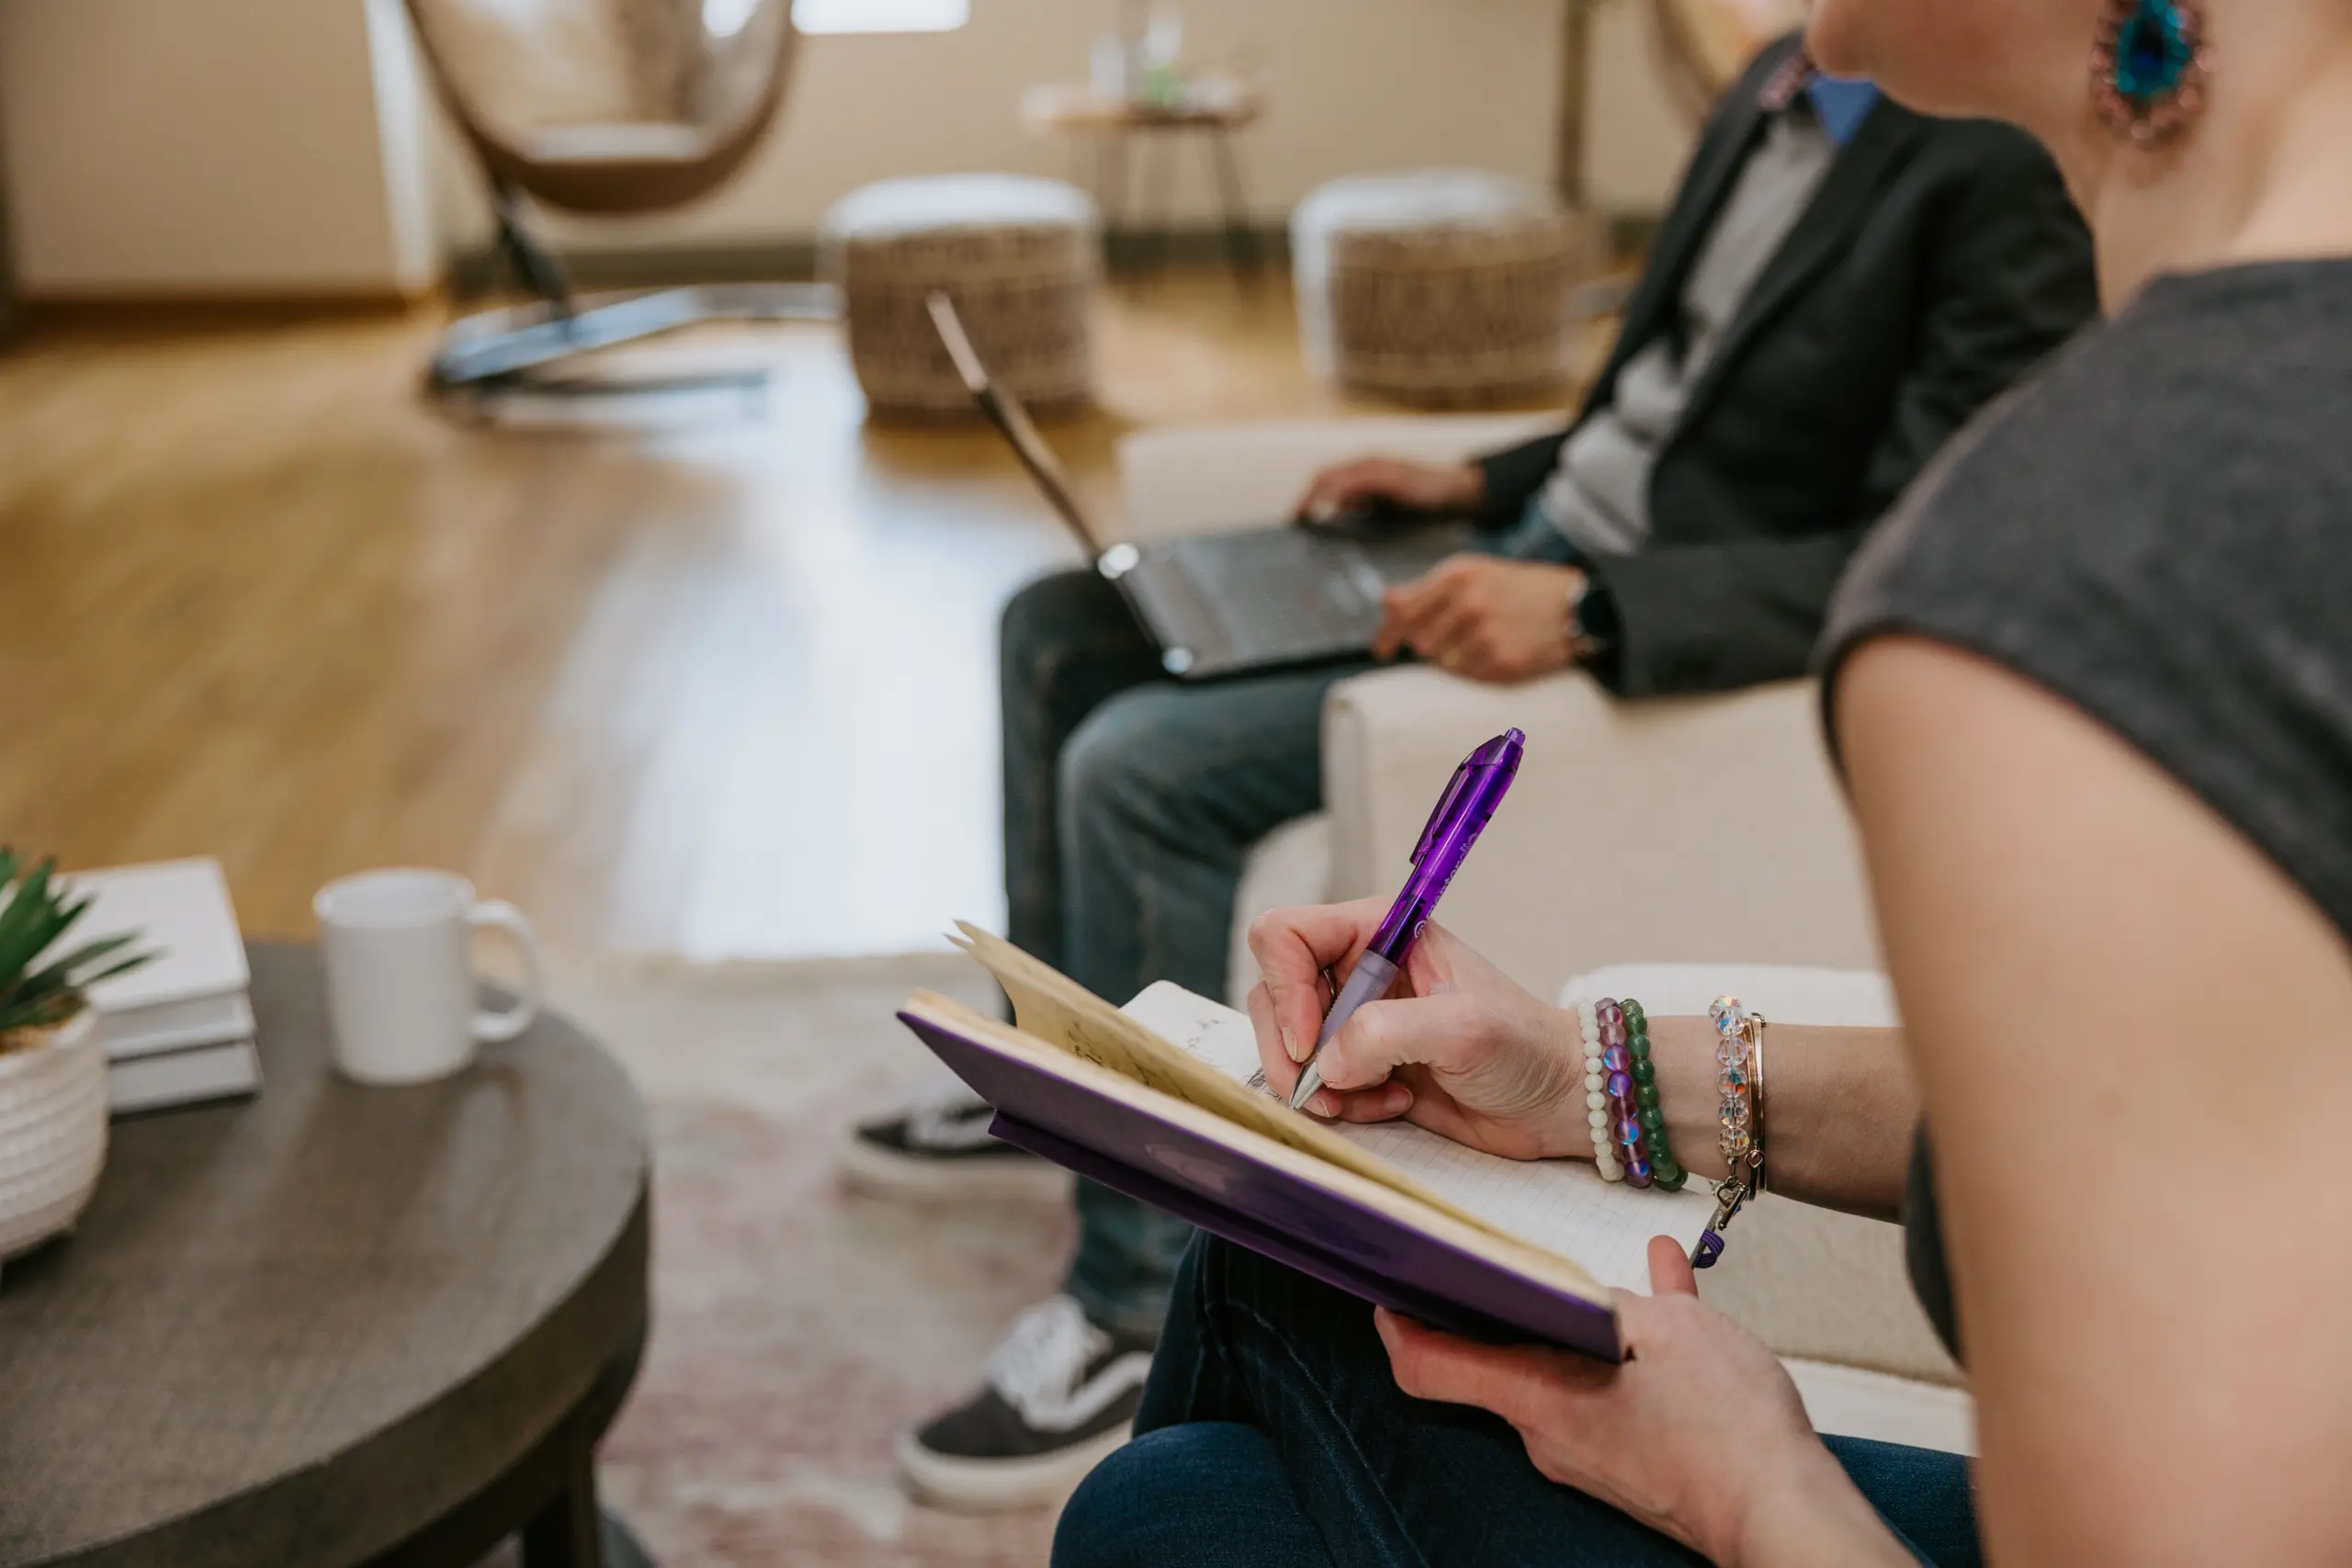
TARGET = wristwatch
(1592,620)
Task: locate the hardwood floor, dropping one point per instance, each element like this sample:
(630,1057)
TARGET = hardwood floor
(723,687)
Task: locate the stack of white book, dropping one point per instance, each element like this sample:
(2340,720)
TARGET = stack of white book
(178,1029)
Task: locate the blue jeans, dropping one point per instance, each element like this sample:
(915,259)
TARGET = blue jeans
(1130,802)
(1273,1434)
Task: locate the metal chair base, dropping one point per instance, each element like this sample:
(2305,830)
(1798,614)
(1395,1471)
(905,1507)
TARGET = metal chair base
(515,350)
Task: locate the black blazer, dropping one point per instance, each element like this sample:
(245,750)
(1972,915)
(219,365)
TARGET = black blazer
(1939,260)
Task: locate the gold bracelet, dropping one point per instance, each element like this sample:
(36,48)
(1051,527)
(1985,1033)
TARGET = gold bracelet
(1740,1051)
(1755,1032)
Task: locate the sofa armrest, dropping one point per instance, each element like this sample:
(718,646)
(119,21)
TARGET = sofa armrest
(1673,829)
(1190,478)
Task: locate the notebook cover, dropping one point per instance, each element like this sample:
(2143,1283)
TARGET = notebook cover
(1230,1193)
(182,913)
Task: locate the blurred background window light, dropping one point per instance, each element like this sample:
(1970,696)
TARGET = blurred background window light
(880,15)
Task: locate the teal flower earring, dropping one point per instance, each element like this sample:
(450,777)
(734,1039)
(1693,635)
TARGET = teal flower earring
(2148,67)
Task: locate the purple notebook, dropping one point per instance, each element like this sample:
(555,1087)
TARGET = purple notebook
(1253,1202)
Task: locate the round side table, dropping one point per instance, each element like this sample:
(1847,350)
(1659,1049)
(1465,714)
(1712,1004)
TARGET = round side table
(1215,108)
(335,1325)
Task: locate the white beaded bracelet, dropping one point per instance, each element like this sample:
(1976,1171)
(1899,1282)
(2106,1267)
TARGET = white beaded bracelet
(1596,1099)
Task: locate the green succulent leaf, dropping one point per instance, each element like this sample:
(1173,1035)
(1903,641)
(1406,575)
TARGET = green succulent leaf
(121,967)
(35,913)
(70,972)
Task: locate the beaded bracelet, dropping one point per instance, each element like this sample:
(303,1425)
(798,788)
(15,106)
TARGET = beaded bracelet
(1625,1120)
(1620,1096)
(1596,1095)
(1739,1051)
(1666,1170)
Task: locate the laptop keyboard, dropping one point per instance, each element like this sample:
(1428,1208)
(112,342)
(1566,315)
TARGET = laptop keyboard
(1278,592)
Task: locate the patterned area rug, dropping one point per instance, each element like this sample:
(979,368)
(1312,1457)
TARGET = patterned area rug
(799,1326)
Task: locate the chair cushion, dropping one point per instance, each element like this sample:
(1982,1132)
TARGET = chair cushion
(616,142)
(1853,1402)
(1438,205)
(1287,868)
(924,205)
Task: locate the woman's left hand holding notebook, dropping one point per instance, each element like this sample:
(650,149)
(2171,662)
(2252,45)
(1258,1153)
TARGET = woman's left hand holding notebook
(1698,1433)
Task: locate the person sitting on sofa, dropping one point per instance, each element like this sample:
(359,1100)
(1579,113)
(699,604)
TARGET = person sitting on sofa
(2090,691)
(1839,285)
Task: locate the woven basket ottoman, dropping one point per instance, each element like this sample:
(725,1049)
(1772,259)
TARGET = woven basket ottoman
(1439,287)
(1020,257)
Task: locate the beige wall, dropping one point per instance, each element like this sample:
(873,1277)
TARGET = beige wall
(200,146)
(1639,140)
(1353,84)
(250,145)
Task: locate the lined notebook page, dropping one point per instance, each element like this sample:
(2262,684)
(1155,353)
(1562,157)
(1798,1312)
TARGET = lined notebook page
(1562,1205)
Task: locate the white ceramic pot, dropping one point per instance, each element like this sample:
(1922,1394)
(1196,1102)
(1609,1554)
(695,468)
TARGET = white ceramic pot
(52,1133)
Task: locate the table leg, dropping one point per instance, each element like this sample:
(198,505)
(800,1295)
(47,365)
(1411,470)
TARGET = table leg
(1240,239)
(1162,236)
(622,1550)
(568,1531)
(1111,192)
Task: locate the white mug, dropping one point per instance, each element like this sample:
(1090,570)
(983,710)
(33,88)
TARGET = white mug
(398,946)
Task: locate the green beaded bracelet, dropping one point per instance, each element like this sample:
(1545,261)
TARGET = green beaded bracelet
(1668,1170)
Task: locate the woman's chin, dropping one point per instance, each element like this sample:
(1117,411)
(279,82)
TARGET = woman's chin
(1835,36)
(1984,57)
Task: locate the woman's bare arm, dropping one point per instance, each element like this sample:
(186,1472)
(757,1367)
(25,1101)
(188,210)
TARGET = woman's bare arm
(1469,1053)
(1839,1113)
(2133,1032)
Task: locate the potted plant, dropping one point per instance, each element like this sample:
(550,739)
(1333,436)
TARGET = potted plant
(53,1063)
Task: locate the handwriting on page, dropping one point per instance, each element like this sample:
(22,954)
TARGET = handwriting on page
(1562,1206)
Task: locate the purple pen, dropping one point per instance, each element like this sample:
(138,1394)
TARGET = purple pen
(1478,786)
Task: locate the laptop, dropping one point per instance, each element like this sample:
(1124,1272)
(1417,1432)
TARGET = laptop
(1228,603)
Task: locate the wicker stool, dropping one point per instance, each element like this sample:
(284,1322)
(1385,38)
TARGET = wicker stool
(1018,256)
(1439,287)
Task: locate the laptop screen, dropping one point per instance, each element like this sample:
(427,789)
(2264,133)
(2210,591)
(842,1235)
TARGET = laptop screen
(1004,411)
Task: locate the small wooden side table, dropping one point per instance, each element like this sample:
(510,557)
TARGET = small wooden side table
(336,1326)
(1216,107)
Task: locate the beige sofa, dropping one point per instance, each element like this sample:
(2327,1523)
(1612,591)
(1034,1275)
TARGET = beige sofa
(1687,835)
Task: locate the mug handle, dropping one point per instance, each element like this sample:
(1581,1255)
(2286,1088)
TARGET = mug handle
(492,1027)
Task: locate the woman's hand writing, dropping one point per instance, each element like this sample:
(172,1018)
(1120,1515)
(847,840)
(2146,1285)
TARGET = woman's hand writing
(1457,1046)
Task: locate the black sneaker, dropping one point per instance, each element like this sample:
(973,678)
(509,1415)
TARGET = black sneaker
(938,1147)
(1060,1395)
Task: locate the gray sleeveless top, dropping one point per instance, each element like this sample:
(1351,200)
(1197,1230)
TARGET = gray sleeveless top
(2158,529)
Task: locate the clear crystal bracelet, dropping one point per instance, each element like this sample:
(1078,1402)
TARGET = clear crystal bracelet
(1739,1051)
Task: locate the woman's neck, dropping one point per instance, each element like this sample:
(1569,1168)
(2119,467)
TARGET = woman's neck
(2264,174)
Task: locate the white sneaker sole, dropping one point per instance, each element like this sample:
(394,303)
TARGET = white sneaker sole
(882,1174)
(1001,1485)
